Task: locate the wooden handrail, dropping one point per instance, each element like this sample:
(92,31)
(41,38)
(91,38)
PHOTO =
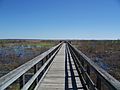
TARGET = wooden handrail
(29,83)
(12,76)
(102,75)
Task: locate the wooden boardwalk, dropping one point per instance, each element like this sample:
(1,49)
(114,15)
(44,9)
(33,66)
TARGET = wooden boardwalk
(55,79)
(73,80)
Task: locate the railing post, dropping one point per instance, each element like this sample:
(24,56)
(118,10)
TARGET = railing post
(88,72)
(98,84)
(88,69)
(22,81)
(47,57)
(42,62)
(82,62)
(35,70)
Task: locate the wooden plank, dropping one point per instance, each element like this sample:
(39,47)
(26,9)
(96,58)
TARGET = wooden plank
(75,82)
(55,78)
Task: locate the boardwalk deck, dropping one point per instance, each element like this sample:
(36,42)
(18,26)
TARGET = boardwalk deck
(55,78)
(74,82)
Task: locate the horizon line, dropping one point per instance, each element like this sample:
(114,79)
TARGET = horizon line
(51,39)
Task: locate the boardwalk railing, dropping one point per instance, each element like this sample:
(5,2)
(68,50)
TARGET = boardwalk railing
(86,67)
(39,65)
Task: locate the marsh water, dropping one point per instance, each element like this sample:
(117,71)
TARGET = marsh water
(14,56)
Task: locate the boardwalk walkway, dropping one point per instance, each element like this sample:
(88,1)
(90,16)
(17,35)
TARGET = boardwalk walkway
(56,79)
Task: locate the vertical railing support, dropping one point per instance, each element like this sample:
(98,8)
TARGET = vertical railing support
(88,72)
(35,70)
(22,81)
(47,57)
(42,62)
(98,83)
(88,69)
(82,62)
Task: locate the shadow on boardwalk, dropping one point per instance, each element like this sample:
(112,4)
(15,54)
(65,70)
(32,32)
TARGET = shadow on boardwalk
(72,80)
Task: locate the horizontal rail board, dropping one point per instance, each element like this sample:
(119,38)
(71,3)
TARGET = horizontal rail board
(28,84)
(12,76)
(110,81)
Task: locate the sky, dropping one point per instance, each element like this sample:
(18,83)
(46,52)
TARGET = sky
(59,19)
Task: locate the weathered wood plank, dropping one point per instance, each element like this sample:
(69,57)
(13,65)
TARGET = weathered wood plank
(74,80)
(55,78)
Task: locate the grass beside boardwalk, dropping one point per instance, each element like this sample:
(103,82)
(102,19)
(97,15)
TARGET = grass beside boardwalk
(38,43)
(42,44)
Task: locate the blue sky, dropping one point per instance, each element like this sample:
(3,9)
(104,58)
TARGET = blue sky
(60,19)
